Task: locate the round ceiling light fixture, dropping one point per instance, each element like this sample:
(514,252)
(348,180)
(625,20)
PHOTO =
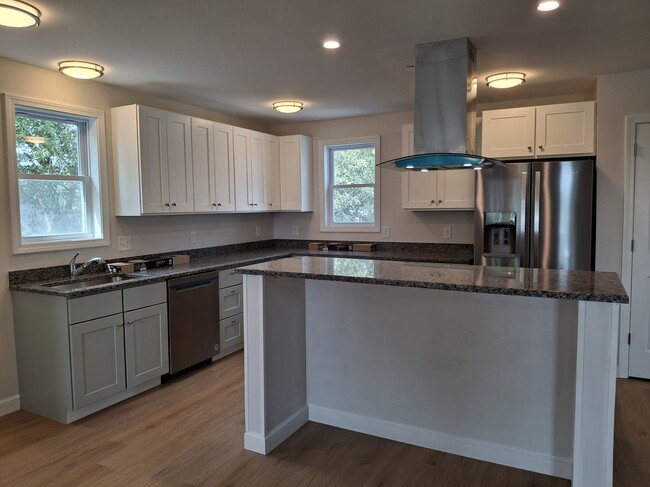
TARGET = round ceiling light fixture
(547,5)
(331,44)
(81,69)
(505,80)
(288,106)
(14,13)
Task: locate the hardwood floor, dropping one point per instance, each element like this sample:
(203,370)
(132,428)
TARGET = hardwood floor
(189,432)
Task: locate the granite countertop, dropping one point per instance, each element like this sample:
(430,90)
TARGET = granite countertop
(541,283)
(40,280)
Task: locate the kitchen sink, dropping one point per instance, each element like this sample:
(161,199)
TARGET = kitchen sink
(80,284)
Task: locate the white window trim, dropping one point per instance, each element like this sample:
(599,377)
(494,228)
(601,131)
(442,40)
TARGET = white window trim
(325,221)
(96,170)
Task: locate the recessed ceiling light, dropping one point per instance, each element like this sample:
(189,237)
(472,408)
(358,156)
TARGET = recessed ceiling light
(288,106)
(14,13)
(505,80)
(547,5)
(331,44)
(81,69)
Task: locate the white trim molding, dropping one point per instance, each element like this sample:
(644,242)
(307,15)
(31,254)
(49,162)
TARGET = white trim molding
(9,405)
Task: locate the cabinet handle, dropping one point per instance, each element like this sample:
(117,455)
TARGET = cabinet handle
(270,204)
(234,322)
(166,204)
(173,204)
(130,322)
(218,204)
(254,204)
(530,148)
(439,201)
(233,292)
(541,147)
(250,204)
(433,201)
(214,204)
(120,325)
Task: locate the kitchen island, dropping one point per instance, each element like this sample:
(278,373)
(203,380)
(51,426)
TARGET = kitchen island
(508,365)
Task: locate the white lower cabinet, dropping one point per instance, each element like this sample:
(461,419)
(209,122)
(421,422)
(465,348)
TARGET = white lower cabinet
(231,333)
(77,356)
(231,313)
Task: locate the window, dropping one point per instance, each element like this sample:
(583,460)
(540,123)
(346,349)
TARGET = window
(54,156)
(351,185)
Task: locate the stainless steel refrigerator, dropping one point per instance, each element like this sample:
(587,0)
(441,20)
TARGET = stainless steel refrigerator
(536,214)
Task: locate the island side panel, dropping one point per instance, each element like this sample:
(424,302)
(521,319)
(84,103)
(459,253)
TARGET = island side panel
(485,376)
(595,394)
(274,360)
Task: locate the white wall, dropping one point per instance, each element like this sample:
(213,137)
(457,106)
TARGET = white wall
(618,95)
(405,226)
(149,234)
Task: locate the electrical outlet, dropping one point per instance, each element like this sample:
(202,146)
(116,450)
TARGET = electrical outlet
(192,237)
(258,230)
(446,232)
(385,232)
(294,230)
(123,244)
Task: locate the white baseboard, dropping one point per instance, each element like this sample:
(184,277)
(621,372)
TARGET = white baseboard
(9,404)
(264,445)
(467,447)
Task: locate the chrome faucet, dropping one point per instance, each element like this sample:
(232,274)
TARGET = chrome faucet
(75,271)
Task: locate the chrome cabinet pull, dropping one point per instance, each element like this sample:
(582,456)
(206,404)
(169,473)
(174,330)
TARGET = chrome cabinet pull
(530,148)
(541,147)
(166,204)
(173,204)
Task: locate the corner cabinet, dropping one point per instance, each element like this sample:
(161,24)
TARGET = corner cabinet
(537,132)
(77,356)
(296,188)
(152,151)
(435,190)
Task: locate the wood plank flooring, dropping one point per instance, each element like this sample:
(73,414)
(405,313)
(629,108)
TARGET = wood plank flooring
(189,432)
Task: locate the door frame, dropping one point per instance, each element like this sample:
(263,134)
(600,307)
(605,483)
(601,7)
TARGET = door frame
(631,122)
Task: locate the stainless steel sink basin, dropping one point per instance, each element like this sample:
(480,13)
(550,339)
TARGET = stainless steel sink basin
(80,284)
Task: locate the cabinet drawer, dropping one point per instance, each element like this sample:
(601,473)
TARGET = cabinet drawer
(148,295)
(229,278)
(231,301)
(231,332)
(95,306)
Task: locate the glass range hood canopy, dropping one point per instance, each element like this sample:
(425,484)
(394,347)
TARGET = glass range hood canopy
(439,161)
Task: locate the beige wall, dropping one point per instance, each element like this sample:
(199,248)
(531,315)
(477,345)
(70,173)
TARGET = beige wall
(618,95)
(149,234)
(405,226)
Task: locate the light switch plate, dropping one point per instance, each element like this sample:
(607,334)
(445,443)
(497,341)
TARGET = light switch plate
(294,231)
(446,232)
(385,232)
(123,243)
(192,237)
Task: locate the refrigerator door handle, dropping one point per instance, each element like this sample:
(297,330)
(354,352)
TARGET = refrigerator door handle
(534,257)
(523,238)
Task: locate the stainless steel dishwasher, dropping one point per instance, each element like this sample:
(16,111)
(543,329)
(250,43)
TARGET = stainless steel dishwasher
(193,319)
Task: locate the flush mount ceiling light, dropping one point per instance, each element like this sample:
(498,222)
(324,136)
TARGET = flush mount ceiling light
(81,69)
(547,5)
(331,44)
(288,106)
(14,13)
(505,80)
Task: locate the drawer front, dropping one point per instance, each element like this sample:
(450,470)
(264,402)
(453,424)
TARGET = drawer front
(147,295)
(95,306)
(229,278)
(231,301)
(231,332)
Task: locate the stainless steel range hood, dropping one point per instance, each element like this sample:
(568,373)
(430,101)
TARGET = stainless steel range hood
(445,109)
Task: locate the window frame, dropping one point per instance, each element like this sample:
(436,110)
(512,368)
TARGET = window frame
(95,180)
(327,186)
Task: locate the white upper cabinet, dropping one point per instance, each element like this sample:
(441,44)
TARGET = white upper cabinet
(214,170)
(435,190)
(296,187)
(152,161)
(537,132)
(272,172)
(250,183)
(257,171)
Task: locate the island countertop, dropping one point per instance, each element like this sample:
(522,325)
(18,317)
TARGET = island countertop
(541,283)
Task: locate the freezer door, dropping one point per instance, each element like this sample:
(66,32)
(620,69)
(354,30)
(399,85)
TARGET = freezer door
(561,215)
(501,215)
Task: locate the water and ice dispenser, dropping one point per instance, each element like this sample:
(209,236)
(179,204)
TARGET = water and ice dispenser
(500,233)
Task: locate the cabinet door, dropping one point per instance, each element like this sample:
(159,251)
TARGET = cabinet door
(153,160)
(257,172)
(203,164)
(97,359)
(224,168)
(146,344)
(231,332)
(179,155)
(272,172)
(419,190)
(509,133)
(241,151)
(455,189)
(231,301)
(565,129)
(296,173)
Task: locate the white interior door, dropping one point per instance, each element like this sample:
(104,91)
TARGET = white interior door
(640,288)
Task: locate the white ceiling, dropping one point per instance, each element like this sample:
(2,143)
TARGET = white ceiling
(237,56)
